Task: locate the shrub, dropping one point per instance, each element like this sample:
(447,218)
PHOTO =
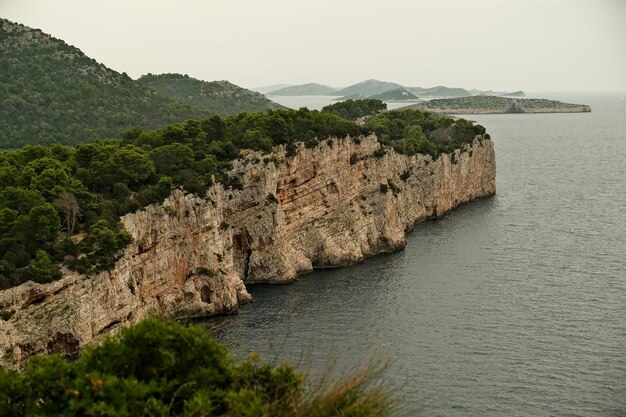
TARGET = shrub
(271,198)
(394,188)
(205,270)
(380,152)
(160,368)
(353,159)
(383,188)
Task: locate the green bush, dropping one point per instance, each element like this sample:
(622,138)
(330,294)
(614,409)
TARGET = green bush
(160,368)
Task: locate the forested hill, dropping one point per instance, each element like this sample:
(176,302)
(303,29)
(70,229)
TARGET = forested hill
(51,92)
(221,97)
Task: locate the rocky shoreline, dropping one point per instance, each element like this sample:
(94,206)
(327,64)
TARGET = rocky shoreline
(330,206)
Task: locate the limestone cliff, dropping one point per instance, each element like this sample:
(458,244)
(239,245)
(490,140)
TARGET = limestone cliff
(330,206)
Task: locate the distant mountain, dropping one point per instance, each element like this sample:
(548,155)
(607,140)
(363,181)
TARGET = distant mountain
(439,91)
(221,97)
(53,93)
(398,94)
(311,89)
(268,88)
(367,88)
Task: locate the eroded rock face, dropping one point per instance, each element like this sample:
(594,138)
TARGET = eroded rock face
(191,257)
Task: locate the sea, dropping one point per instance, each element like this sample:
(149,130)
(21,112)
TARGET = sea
(513,305)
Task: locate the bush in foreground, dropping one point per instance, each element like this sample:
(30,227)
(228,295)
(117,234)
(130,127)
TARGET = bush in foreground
(160,368)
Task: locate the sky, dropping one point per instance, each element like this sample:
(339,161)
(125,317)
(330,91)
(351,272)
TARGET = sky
(533,45)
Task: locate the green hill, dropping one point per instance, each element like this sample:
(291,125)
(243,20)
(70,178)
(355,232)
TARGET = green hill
(50,92)
(311,89)
(367,88)
(221,97)
(398,94)
(439,91)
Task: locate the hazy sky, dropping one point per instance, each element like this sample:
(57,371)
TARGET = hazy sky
(535,45)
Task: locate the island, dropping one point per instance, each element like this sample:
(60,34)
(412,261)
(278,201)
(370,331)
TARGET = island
(497,105)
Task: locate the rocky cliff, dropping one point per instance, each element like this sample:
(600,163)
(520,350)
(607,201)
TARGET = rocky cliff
(330,206)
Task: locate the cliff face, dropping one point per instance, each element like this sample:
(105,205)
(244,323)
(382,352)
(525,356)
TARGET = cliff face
(192,257)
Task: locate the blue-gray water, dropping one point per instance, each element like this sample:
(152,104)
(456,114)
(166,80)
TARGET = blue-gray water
(509,306)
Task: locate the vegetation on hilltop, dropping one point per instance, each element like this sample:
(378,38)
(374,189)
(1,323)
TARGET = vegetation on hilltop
(221,97)
(367,88)
(62,204)
(396,94)
(355,109)
(51,92)
(495,104)
(160,368)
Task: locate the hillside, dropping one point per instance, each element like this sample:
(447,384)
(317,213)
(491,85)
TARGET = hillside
(221,97)
(494,104)
(367,88)
(439,91)
(398,94)
(311,89)
(53,93)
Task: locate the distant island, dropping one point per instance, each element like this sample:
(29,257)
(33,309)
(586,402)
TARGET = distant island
(497,105)
(311,89)
(377,89)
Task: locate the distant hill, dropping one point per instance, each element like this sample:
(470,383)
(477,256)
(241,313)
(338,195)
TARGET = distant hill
(53,93)
(267,88)
(518,93)
(496,104)
(367,88)
(398,94)
(439,91)
(311,89)
(221,97)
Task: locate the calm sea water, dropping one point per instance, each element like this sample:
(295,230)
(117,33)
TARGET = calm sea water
(509,306)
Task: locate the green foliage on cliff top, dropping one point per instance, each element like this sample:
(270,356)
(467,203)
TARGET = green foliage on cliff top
(160,368)
(221,97)
(354,109)
(62,204)
(410,132)
(51,196)
(50,92)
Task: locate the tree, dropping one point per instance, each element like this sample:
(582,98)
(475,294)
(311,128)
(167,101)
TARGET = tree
(68,205)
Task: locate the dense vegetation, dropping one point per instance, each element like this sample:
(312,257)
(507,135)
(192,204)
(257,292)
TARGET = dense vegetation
(410,132)
(62,204)
(354,109)
(160,368)
(50,92)
(220,97)
(495,104)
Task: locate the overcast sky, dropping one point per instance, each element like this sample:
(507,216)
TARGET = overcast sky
(534,45)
